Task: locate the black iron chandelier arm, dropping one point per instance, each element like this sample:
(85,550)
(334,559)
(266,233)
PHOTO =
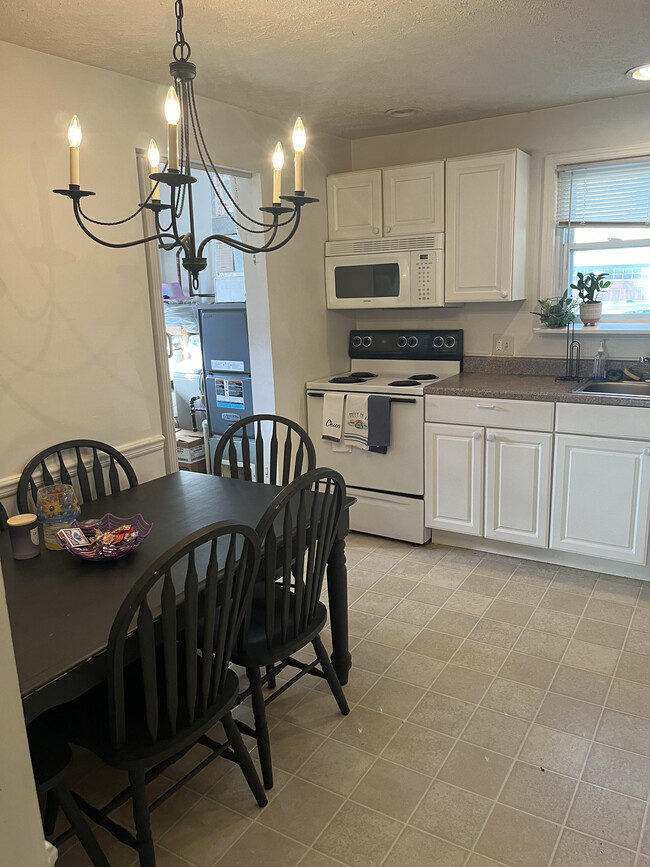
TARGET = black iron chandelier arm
(141,207)
(269,247)
(208,165)
(79,215)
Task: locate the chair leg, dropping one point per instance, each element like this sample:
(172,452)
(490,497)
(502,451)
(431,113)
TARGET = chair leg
(244,759)
(270,677)
(142,819)
(261,727)
(79,825)
(330,674)
(50,813)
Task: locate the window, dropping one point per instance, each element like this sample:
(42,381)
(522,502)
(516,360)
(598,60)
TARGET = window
(602,224)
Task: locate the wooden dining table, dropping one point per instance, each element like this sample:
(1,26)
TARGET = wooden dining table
(61,607)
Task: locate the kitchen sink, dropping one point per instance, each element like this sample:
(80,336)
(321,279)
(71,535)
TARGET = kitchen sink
(615,389)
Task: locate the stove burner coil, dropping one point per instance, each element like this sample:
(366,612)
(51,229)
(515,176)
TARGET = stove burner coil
(349,379)
(423,376)
(404,382)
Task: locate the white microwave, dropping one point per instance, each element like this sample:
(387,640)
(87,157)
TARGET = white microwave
(388,272)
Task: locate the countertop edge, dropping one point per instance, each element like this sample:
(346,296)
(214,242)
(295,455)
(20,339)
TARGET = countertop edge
(529,388)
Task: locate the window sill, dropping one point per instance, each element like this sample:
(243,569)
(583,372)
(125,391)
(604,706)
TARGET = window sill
(632,329)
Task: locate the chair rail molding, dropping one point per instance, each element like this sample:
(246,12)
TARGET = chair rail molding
(133,451)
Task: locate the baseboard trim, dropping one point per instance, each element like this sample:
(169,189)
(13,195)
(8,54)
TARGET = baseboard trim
(542,555)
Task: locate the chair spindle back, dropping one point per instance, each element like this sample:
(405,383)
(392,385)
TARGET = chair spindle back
(276,448)
(182,674)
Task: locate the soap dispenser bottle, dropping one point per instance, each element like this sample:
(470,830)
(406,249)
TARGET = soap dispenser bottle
(600,363)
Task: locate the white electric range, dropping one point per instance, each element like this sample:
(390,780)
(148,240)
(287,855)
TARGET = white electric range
(389,488)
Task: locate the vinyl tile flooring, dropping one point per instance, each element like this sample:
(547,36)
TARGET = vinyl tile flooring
(500,716)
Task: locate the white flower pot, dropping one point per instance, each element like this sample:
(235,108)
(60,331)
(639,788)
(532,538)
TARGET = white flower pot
(591,313)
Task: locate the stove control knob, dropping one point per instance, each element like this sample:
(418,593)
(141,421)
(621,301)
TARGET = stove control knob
(413,342)
(367,341)
(356,341)
(402,341)
(450,342)
(438,342)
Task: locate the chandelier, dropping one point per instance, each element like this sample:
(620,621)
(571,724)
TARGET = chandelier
(184,137)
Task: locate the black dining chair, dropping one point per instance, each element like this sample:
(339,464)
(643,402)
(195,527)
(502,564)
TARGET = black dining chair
(276,449)
(110,471)
(297,532)
(166,687)
(50,756)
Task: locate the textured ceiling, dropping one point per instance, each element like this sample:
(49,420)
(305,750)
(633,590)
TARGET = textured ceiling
(343,63)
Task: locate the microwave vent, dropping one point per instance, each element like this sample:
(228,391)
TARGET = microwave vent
(385,245)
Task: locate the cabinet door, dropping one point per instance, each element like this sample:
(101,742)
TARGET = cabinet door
(413,199)
(481,224)
(453,478)
(354,205)
(518,486)
(601,497)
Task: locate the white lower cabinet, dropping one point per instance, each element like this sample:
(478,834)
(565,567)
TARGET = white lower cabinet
(518,486)
(453,485)
(601,497)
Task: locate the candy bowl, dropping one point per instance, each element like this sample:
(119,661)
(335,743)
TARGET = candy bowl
(107,538)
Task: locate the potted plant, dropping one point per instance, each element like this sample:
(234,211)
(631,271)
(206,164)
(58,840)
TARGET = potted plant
(556,312)
(588,287)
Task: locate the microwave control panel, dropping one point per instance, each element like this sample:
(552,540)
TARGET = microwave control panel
(426,268)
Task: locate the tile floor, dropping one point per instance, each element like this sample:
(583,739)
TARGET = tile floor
(500,716)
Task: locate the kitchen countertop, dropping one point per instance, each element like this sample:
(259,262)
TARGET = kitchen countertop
(522,387)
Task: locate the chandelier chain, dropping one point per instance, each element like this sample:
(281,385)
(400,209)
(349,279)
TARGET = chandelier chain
(202,146)
(182,48)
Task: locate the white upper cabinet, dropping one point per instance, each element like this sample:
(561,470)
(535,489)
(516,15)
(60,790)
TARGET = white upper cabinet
(486,214)
(354,205)
(396,202)
(414,200)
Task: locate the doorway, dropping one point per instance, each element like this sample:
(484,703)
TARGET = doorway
(209,372)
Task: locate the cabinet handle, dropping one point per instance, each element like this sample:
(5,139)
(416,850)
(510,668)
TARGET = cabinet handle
(490,437)
(387,229)
(646,451)
(375,231)
(476,435)
(485,406)
(503,294)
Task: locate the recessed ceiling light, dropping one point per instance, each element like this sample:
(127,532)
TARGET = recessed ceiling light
(639,73)
(403,112)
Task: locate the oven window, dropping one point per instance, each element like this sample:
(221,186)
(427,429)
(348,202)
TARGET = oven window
(367,281)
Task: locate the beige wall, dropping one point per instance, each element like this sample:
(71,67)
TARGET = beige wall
(21,833)
(76,351)
(599,124)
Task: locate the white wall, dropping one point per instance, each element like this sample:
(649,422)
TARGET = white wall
(76,351)
(21,833)
(599,124)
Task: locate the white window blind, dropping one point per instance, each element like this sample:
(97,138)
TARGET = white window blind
(615,193)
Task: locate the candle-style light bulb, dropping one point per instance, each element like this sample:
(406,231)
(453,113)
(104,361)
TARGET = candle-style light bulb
(278,162)
(299,142)
(74,140)
(153,155)
(173,115)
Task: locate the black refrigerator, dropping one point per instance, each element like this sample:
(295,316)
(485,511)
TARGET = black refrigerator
(226,363)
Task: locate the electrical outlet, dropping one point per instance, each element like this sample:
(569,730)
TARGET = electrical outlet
(503,344)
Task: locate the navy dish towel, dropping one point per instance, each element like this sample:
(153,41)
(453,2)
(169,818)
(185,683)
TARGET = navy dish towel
(378,423)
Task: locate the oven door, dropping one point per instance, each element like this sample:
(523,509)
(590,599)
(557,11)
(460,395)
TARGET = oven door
(399,471)
(369,280)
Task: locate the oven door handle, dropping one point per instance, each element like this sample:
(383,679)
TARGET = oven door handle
(392,399)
